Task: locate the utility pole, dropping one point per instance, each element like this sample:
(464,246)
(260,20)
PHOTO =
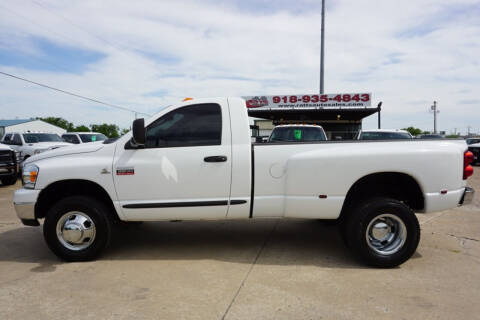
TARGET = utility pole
(435,111)
(468,131)
(322,45)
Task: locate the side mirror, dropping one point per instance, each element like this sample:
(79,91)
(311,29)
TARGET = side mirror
(138,132)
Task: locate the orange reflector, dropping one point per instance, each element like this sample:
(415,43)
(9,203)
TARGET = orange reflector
(187,99)
(33,176)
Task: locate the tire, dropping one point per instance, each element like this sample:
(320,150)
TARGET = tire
(8,181)
(382,232)
(83,225)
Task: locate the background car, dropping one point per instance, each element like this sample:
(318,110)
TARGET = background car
(31,143)
(430,136)
(8,165)
(472,140)
(83,137)
(296,133)
(475,149)
(384,134)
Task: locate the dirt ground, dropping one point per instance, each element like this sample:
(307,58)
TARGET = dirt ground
(262,269)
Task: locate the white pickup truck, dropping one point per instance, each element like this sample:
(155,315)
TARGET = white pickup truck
(196,161)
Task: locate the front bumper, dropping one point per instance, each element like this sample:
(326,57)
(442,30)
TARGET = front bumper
(467,196)
(24,202)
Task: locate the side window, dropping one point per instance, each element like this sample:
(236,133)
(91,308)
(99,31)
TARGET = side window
(195,125)
(17,140)
(71,138)
(7,139)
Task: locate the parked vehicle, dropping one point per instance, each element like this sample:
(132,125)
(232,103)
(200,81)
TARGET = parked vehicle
(472,140)
(297,133)
(31,143)
(83,137)
(475,149)
(195,161)
(8,165)
(383,134)
(431,136)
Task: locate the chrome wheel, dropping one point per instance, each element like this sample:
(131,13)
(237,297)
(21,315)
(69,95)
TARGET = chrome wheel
(75,230)
(386,234)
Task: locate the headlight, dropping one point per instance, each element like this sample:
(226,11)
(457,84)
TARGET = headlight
(29,176)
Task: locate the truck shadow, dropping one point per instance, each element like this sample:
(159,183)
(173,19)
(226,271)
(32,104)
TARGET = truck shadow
(275,241)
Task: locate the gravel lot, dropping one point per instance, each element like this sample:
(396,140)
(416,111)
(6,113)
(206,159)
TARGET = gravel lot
(263,269)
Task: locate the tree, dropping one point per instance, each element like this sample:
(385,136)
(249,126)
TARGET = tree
(124,131)
(59,122)
(110,130)
(413,131)
(81,128)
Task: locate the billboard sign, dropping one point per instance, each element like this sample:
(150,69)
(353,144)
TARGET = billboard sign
(310,101)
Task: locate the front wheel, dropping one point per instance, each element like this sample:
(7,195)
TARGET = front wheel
(382,232)
(77,228)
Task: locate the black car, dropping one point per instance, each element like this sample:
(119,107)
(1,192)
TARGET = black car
(8,165)
(475,149)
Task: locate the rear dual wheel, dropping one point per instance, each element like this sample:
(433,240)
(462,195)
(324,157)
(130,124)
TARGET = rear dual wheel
(382,232)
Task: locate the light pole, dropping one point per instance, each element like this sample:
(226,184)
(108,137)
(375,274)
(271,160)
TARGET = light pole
(379,108)
(322,49)
(435,111)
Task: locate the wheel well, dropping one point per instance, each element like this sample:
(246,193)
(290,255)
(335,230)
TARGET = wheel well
(65,188)
(398,186)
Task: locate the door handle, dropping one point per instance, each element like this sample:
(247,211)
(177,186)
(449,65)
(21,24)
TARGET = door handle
(215,159)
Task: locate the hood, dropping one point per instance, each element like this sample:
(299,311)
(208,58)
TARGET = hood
(48,145)
(69,149)
(4,147)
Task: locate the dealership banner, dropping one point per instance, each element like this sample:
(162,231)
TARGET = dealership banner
(310,101)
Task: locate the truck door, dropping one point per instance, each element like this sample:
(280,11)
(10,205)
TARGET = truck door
(184,171)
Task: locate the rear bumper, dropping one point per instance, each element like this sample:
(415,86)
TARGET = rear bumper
(467,196)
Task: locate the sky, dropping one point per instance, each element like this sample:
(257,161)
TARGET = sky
(147,54)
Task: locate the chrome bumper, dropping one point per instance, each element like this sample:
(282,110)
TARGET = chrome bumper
(24,202)
(26,213)
(467,196)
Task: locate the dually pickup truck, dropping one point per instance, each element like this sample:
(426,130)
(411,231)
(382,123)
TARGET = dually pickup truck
(196,161)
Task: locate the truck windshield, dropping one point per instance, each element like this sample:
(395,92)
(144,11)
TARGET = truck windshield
(293,134)
(384,135)
(41,137)
(92,137)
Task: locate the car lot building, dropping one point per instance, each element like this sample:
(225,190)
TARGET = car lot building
(28,125)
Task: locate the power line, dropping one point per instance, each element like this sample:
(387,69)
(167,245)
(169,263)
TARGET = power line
(73,94)
(114,45)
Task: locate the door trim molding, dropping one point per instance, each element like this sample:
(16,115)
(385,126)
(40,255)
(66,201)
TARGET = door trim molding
(182,204)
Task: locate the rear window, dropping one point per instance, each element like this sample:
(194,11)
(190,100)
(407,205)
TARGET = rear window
(384,135)
(92,137)
(296,134)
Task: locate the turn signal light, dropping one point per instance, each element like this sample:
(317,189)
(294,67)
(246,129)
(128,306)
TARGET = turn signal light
(467,168)
(33,176)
